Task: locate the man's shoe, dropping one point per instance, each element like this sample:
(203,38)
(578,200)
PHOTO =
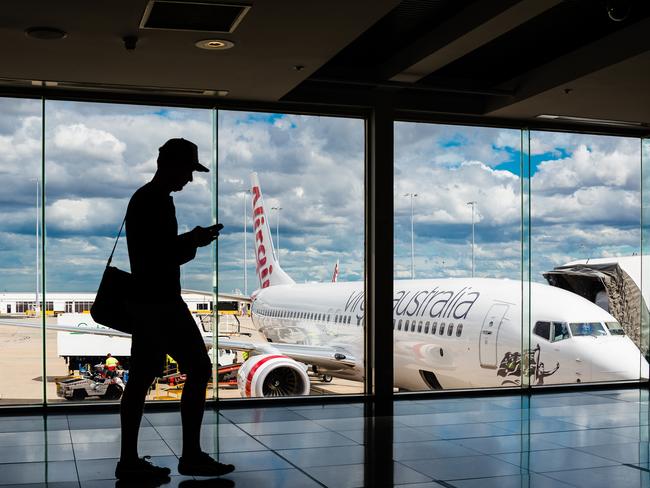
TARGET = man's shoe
(140,469)
(203,465)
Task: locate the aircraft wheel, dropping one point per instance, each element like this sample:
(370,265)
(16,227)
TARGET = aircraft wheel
(326,378)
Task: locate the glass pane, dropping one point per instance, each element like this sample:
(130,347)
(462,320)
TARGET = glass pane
(294,240)
(645,251)
(97,156)
(586,238)
(21,339)
(458,255)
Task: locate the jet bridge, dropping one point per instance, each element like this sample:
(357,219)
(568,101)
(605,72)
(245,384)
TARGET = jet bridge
(610,287)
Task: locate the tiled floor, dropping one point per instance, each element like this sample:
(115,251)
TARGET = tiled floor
(585,439)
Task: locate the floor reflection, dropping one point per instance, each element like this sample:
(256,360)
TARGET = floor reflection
(585,439)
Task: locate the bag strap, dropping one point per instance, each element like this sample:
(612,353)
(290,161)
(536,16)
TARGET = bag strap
(110,258)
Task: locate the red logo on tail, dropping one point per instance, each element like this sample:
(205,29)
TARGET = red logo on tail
(263,271)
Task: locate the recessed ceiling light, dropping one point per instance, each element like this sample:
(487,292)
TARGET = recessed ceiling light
(45,33)
(214,44)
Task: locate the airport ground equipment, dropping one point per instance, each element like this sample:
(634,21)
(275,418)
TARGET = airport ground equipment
(93,383)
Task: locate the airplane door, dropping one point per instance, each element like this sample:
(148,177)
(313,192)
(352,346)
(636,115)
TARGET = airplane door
(490,334)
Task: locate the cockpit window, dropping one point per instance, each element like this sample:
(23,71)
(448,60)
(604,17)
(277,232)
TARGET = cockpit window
(615,328)
(587,329)
(542,329)
(560,331)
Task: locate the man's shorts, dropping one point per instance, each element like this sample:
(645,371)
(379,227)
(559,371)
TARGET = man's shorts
(166,328)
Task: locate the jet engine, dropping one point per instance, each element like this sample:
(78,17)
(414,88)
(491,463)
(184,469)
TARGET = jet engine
(272,375)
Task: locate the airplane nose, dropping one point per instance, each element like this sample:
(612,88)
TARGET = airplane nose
(645,369)
(619,360)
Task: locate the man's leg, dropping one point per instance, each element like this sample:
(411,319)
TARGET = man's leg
(193,405)
(194,361)
(131,409)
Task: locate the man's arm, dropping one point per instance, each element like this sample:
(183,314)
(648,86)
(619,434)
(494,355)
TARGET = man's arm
(187,244)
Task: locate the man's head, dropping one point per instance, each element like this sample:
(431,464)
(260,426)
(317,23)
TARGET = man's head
(177,159)
(108,355)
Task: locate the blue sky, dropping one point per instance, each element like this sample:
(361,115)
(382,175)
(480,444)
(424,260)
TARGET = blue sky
(585,192)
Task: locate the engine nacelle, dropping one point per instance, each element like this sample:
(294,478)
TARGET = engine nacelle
(272,375)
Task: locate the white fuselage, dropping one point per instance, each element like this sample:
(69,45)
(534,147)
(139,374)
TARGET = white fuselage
(478,334)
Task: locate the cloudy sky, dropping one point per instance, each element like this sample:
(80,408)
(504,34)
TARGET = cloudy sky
(585,193)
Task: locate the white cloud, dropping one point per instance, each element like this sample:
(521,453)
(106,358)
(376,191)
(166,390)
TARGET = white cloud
(82,214)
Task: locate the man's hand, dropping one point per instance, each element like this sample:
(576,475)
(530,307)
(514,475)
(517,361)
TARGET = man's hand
(205,235)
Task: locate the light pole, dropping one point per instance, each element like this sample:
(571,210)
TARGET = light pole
(473,204)
(412,195)
(277,232)
(36,303)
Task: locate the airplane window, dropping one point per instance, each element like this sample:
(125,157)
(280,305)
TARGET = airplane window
(560,331)
(442,328)
(394,322)
(413,326)
(399,324)
(615,328)
(450,329)
(419,327)
(543,330)
(433,328)
(328,317)
(349,319)
(426,327)
(406,325)
(587,329)
(459,330)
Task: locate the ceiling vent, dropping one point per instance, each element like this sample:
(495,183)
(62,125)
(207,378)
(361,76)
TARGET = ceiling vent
(193,16)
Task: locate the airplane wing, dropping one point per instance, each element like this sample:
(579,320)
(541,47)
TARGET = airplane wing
(234,297)
(324,356)
(37,324)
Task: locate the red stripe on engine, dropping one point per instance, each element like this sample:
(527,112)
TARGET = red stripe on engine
(251,373)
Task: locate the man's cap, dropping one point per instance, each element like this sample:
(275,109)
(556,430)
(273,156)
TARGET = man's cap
(182,152)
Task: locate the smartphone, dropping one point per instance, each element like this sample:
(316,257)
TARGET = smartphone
(216,227)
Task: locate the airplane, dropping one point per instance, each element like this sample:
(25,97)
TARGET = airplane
(448,333)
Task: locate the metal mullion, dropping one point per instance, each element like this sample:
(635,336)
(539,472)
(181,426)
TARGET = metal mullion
(42,251)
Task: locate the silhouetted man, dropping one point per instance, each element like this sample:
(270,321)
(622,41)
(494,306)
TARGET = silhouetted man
(162,322)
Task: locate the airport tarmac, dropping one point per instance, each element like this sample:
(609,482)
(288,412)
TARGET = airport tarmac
(21,367)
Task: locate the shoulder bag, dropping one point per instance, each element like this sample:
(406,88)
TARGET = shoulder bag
(111,305)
